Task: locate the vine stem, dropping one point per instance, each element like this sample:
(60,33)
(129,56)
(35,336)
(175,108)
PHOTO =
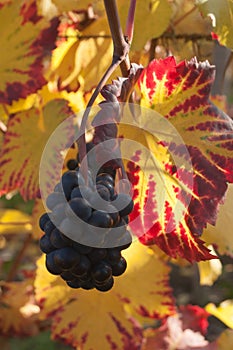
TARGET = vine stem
(19,257)
(120,57)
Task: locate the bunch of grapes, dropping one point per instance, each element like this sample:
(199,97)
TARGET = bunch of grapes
(86,230)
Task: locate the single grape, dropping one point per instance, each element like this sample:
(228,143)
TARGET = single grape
(56,239)
(108,185)
(113,255)
(97,254)
(106,286)
(100,218)
(43,220)
(51,265)
(54,199)
(101,272)
(69,180)
(49,227)
(79,207)
(119,268)
(72,164)
(105,177)
(74,284)
(81,192)
(58,214)
(82,267)
(66,258)
(67,276)
(85,278)
(81,248)
(87,285)
(103,192)
(124,204)
(45,244)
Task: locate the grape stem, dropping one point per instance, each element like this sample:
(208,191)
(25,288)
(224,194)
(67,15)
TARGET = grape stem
(120,58)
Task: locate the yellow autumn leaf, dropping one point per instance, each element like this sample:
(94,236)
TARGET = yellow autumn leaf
(157,14)
(221,234)
(225,341)
(18,310)
(224,312)
(14,221)
(209,270)
(220,13)
(74,5)
(77,313)
(25,139)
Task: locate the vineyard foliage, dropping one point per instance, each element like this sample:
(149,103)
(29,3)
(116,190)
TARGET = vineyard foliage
(54,53)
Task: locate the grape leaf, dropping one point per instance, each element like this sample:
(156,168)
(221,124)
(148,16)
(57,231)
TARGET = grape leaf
(225,340)
(157,13)
(75,5)
(223,312)
(14,221)
(25,41)
(76,62)
(209,271)
(75,313)
(19,312)
(179,92)
(221,234)
(220,12)
(24,142)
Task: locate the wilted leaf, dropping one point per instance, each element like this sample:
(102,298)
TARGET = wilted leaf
(180,94)
(24,142)
(224,312)
(220,14)
(14,221)
(209,270)
(24,41)
(77,314)
(19,312)
(221,233)
(157,13)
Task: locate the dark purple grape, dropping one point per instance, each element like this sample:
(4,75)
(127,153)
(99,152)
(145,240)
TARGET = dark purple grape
(67,240)
(82,267)
(45,244)
(58,214)
(97,254)
(74,283)
(85,278)
(87,285)
(43,220)
(49,227)
(105,177)
(81,248)
(119,268)
(54,199)
(113,255)
(108,185)
(67,276)
(100,218)
(66,258)
(81,192)
(72,164)
(56,239)
(69,180)
(51,265)
(79,207)
(101,272)
(105,286)
(124,204)
(103,192)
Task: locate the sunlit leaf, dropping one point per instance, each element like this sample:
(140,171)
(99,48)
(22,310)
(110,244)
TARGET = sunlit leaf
(24,142)
(76,62)
(224,312)
(220,14)
(24,40)
(19,312)
(221,233)
(75,312)
(180,94)
(209,270)
(14,221)
(225,340)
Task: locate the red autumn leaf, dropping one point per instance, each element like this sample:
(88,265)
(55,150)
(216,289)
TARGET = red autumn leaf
(180,94)
(26,39)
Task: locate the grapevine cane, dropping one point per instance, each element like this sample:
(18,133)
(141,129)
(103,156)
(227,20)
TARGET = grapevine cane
(120,57)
